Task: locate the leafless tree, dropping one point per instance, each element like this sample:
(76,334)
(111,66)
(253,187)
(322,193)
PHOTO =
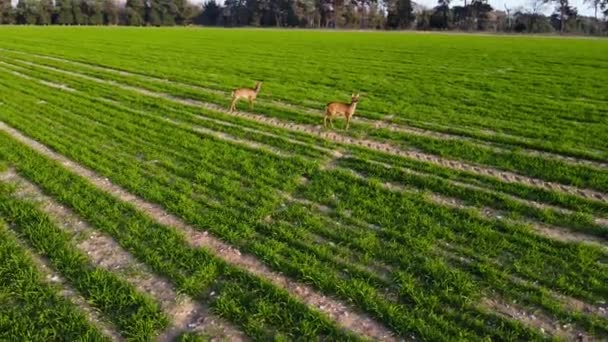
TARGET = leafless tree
(595,4)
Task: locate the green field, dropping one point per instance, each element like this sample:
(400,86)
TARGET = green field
(468,200)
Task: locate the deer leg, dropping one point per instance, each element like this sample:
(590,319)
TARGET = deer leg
(325,121)
(251,103)
(331,122)
(233,105)
(347,122)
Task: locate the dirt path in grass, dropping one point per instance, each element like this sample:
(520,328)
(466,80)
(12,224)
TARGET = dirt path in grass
(66,291)
(238,141)
(384,124)
(196,128)
(506,176)
(535,317)
(552,232)
(185,314)
(336,310)
(601,221)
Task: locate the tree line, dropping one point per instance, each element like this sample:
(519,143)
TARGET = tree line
(473,15)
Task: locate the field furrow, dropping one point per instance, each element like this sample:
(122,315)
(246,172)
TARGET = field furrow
(386,148)
(317,110)
(468,200)
(133,314)
(334,309)
(424,106)
(185,314)
(72,315)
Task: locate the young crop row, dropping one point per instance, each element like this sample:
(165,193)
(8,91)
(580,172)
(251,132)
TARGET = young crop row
(583,203)
(60,184)
(260,309)
(198,92)
(536,166)
(476,197)
(522,190)
(32,309)
(515,93)
(276,108)
(134,315)
(214,199)
(139,105)
(569,201)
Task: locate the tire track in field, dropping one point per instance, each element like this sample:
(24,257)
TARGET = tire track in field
(334,309)
(229,138)
(506,176)
(551,232)
(495,147)
(66,291)
(43,82)
(535,316)
(548,231)
(185,314)
(395,127)
(600,308)
(193,127)
(600,221)
(532,317)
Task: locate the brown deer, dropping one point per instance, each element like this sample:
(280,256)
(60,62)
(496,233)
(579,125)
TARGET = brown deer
(245,93)
(339,108)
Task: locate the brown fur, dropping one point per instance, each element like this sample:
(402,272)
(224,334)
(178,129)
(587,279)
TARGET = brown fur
(339,108)
(245,93)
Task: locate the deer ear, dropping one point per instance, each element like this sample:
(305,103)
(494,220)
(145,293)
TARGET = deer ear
(352,95)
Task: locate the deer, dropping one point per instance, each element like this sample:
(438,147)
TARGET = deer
(338,108)
(245,93)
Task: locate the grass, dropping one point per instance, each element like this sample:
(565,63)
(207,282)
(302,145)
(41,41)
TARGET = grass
(261,309)
(511,159)
(32,309)
(420,268)
(136,316)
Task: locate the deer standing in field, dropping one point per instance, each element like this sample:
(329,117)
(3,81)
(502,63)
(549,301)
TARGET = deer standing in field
(338,108)
(245,93)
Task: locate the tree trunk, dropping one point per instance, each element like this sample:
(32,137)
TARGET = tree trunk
(595,7)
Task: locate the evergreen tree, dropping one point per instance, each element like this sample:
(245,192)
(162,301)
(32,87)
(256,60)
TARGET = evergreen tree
(65,16)
(94,12)
(211,13)
(77,13)
(6,12)
(44,12)
(110,12)
(135,12)
(26,12)
(399,14)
